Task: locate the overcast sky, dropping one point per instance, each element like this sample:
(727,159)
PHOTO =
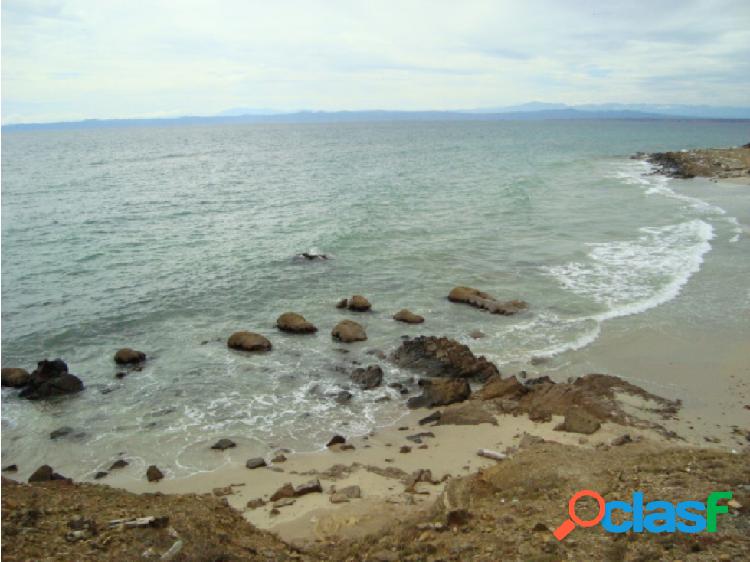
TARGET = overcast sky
(73,59)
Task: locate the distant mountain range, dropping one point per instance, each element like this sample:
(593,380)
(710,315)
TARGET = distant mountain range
(524,112)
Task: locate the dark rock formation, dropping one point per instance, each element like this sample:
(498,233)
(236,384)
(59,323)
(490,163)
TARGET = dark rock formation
(358,303)
(45,473)
(497,387)
(153,474)
(441,392)
(223,444)
(407,316)
(255,463)
(443,357)
(51,378)
(295,324)
(348,331)
(127,356)
(15,377)
(248,341)
(368,378)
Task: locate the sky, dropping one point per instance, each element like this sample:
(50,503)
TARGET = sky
(75,59)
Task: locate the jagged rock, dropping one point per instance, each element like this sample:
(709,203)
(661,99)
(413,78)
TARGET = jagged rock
(368,378)
(469,413)
(348,331)
(336,440)
(313,486)
(443,357)
(497,387)
(432,418)
(294,323)
(405,315)
(478,299)
(45,473)
(255,463)
(127,356)
(49,379)
(119,463)
(248,341)
(358,303)
(153,474)
(15,377)
(579,421)
(441,392)
(11,468)
(286,491)
(223,444)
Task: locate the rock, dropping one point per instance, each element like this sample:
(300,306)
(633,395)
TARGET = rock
(49,379)
(478,299)
(368,378)
(380,354)
(286,491)
(441,392)
(338,498)
(295,324)
(405,449)
(11,468)
(432,418)
(313,486)
(405,315)
(153,474)
(223,444)
(256,503)
(497,387)
(336,440)
(279,458)
(466,414)
(358,303)
(118,464)
(127,356)
(443,357)
(284,502)
(101,474)
(537,360)
(343,397)
(579,421)
(621,440)
(14,377)
(45,473)
(255,463)
(248,341)
(457,518)
(477,334)
(61,432)
(342,303)
(351,492)
(312,256)
(348,331)
(121,374)
(417,437)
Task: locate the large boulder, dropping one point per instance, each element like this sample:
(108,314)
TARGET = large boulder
(15,377)
(497,387)
(369,378)
(51,378)
(295,323)
(479,299)
(407,316)
(441,392)
(348,331)
(248,341)
(359,303)
(127,356)
(467,413)
(443,357)
(578,420)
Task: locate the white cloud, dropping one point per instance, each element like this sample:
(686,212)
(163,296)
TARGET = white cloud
(86,58)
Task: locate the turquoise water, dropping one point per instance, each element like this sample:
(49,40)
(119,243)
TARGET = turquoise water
(169,239)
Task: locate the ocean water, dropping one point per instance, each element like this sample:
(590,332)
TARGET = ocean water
(168,239)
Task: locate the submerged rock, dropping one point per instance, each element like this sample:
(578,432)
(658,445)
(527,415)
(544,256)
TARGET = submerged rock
(348,331)
(51,378)
(443,357)
(441,392)
(336,440)
(248,341)
(407,316)
(15,377)
(295,324)
(478,299)
(127,356)
(343,397)
(119,463)
(223,444)
(368,378)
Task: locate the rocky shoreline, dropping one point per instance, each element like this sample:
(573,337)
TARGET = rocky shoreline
(408,493)
(717,163)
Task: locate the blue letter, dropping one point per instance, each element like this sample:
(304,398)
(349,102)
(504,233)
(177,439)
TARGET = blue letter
(662,511)
(689,516)
(607,521)
(638,512)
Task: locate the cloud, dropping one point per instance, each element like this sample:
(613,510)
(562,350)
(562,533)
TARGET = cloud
(86,58)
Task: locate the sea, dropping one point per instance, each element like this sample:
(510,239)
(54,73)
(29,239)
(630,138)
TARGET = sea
(168,239)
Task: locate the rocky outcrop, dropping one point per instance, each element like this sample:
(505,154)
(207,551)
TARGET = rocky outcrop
(49,379)
(706,162)
(368,378)
(407,316)
(440,392)
(443,357)
(348,331)
(478,299)
(127,356)
(497,387)
(295,324)
(15,377)
(248,341)
(357,303)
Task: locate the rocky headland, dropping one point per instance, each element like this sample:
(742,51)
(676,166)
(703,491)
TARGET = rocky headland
(718,163)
